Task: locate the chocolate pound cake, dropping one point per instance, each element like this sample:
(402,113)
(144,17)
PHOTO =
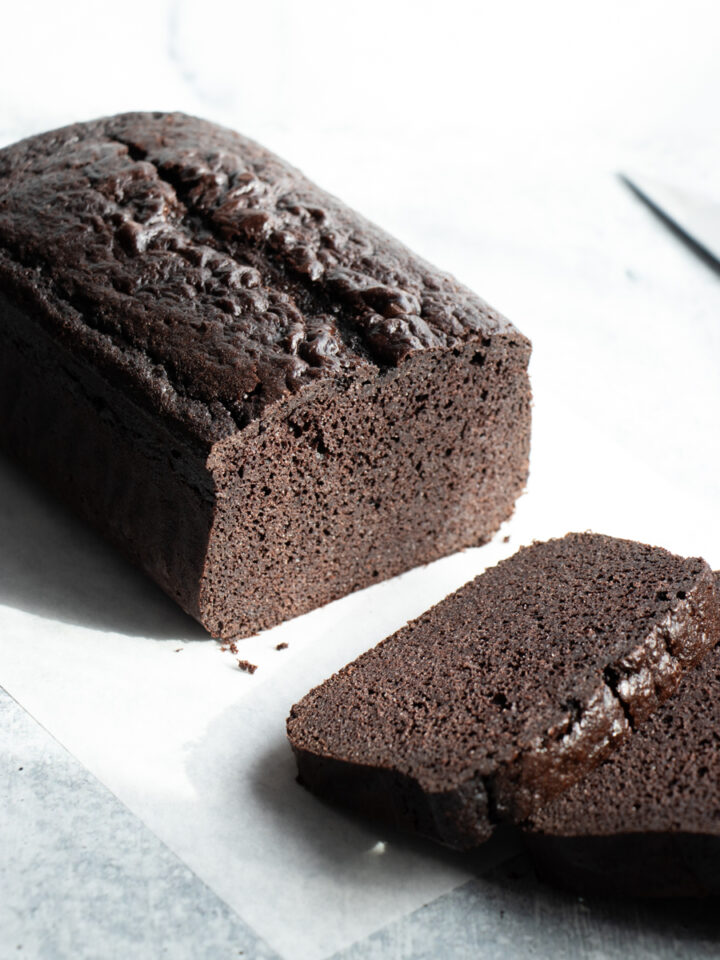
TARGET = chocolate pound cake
(647,821)
(262,398)
(508,691)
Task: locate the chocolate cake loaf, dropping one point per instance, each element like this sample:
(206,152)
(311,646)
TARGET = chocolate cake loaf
(647,821)
(508,691)
(262,398)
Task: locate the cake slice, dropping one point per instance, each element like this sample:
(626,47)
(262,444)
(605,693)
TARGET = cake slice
(263,399)
(511,689)
(647,821)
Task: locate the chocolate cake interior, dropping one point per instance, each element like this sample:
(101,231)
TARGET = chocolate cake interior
(341,489)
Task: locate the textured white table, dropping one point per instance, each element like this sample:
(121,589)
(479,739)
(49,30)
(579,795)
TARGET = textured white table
(488,140)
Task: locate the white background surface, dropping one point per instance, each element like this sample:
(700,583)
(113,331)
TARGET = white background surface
(487,136)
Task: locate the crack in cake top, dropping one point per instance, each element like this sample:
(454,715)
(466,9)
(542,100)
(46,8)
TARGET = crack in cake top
(186,258)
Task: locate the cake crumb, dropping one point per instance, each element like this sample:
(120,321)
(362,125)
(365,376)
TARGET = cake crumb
(178,650)
(233,647)
(281,646)
(247,666)
(506,539)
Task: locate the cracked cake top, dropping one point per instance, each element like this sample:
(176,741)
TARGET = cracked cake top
(194,265)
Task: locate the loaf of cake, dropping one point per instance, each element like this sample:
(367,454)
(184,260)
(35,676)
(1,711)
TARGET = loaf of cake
(510,690)
(647,821)
(264,400)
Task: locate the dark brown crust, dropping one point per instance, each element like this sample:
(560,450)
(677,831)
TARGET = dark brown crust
(166,279)
(145,488)
(215,275)
(471,705)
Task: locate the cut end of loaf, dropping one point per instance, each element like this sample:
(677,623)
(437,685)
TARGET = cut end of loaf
(352,485)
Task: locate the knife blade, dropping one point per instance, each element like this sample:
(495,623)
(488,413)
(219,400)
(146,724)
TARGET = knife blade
(693,218)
